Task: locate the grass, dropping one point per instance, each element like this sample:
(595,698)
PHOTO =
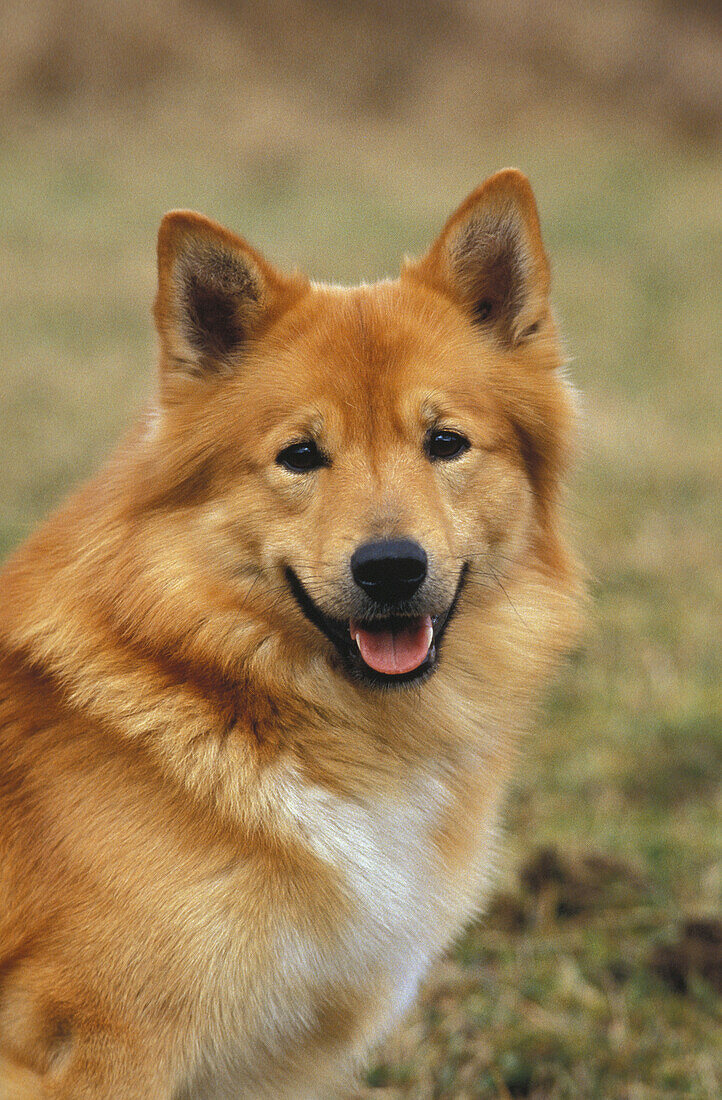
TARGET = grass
(548,997)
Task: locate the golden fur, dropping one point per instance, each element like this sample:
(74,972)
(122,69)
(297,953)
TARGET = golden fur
(224,862)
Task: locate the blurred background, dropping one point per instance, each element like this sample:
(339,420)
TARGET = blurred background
(336,137)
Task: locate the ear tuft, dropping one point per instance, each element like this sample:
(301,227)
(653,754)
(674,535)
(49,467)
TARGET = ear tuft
(218,294)
(491,268)
(490,259)
(214,292)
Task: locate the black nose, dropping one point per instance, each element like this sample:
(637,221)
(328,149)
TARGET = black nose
(390,571)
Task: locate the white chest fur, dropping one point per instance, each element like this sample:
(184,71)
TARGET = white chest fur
(401,902)
(383,851)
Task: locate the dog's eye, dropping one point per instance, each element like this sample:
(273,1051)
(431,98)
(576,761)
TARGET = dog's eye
(301,457)
(444,444)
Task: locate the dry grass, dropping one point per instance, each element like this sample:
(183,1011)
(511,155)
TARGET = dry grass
(649,59)
(587,979)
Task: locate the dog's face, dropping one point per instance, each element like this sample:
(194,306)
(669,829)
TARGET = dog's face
(360,456)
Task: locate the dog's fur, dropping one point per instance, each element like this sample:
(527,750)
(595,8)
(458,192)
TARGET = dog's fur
(227,856)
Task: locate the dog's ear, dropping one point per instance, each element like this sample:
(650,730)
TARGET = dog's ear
(215,295)
(490,259)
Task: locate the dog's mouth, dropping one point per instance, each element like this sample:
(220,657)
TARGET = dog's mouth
(394,649)
(383,651)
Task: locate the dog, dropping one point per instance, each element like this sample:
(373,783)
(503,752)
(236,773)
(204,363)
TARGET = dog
(263,680)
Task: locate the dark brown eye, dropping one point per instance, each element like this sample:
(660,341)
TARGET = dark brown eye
(445,445)
(301,457)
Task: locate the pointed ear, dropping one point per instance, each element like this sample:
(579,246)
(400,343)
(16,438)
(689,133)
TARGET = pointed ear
(490,259)
(215,293)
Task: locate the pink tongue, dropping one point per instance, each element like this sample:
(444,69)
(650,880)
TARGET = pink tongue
(395,651)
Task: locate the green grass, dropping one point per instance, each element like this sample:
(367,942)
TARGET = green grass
(626,759)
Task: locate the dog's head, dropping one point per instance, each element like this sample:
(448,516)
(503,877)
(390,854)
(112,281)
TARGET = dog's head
(359,458)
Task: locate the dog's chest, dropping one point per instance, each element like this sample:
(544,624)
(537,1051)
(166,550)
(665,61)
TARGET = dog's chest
(384,852)
(345,963)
